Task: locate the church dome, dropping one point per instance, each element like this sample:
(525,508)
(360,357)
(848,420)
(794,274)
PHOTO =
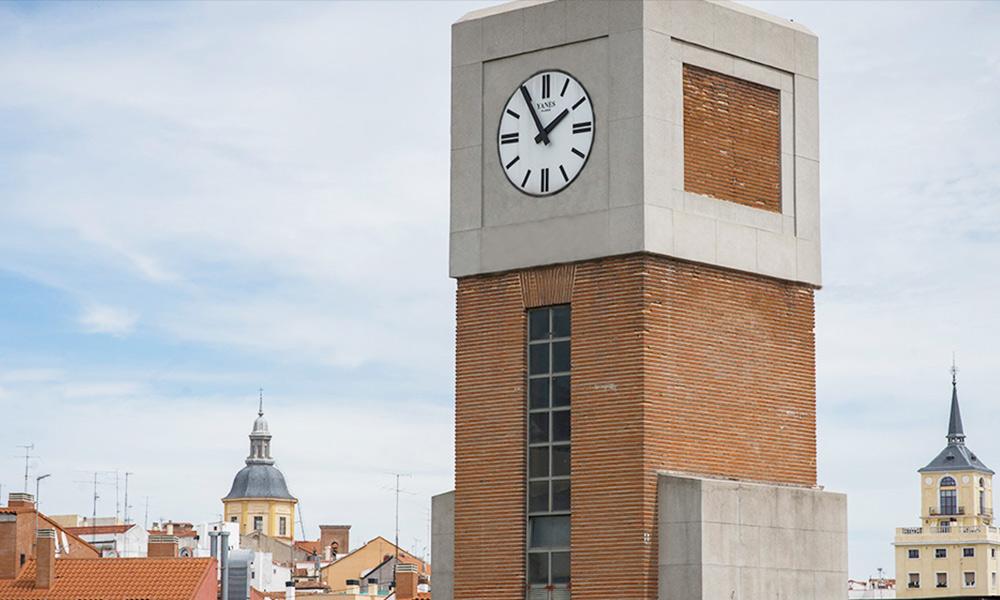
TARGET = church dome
(259,481)
(259,478)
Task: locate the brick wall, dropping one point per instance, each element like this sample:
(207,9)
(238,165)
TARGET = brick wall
(732,139)
(675,366)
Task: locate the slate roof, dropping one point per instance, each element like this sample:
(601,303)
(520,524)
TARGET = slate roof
(259,481)
(115,579)
(956,456)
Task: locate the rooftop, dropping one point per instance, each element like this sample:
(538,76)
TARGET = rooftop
(115,579)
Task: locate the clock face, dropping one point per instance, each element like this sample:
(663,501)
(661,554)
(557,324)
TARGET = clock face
(546,132)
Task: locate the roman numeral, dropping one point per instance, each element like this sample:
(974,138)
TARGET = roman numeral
(511,138)
(565,85)
(563,171)
(582,127)
(546,85)
(579,102)
(526,177)
(513,114)
(545,180)
(578,153)
(512,163)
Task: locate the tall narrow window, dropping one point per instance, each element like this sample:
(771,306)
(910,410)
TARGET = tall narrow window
(258,523)
(282,526)
(548,453)
(949,502)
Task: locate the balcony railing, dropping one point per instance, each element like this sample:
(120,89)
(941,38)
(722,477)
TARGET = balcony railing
(976,529)
(947,511)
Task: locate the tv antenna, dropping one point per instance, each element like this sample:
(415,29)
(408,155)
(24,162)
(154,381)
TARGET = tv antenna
(27,457)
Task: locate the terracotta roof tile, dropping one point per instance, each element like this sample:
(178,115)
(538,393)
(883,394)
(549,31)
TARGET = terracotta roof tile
(99,529)
(114,579)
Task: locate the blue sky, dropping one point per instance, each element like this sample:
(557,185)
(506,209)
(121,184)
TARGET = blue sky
(197,200)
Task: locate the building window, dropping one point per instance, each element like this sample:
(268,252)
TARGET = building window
(912,553)
(942,580)
(945,526)
(993,552)
(282,526)
(914,581)
(548,448)
(969,579)
(948,481)
(234,519)
(993,580)
(258,523)
(949,502)
(940,553)
(968,552)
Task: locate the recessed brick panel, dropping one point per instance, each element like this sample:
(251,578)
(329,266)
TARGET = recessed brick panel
(732,139)
(676,366)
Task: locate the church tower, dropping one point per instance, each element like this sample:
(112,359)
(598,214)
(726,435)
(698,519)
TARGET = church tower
(954,551)
(259,499)
(635,239)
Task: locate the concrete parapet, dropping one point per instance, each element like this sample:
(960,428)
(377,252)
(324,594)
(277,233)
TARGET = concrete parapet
(744,541)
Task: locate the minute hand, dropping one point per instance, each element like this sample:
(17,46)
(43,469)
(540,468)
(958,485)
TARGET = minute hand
(542,136)
(551,126)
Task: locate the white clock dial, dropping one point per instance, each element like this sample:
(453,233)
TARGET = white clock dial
(546,132)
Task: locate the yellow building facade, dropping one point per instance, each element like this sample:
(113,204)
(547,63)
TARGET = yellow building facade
(259,499)
(955,552)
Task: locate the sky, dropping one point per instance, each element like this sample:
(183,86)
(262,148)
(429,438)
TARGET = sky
(198,200)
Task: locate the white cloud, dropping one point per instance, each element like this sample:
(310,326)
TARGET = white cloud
(118,322)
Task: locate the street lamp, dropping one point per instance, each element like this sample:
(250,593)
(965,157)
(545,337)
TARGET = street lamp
(38,481)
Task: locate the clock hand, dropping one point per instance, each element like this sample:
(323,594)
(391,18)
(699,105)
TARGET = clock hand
(542,135)
(551,126)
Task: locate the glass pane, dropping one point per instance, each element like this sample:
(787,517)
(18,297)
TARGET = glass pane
(538,496)
(560,567)
(560,494)
(538,390)
(538,359)
(560,426)
(538,568)
(548,532)
(538,462)
(560,391)
(538,324)
(560,460)
(560,321)
(560,357)
(538,427)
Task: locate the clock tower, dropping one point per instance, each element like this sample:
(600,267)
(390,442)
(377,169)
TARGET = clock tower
(635,239)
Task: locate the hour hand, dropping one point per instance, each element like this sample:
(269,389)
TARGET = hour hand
(543,135)
(551,126)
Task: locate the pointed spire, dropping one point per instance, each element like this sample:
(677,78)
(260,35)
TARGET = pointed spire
(260,406)
(956,433)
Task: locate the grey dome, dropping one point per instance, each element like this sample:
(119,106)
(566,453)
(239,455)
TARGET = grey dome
(259,481)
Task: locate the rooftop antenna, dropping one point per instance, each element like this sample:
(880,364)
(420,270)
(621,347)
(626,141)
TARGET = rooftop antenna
(396,541)
(145,517)
(27,456)
(127,473)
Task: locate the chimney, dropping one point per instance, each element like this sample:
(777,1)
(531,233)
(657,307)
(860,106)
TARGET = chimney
(406,581)
(162,546)
(328,534)
(10,563)
(45,562)
(213,543)
(289,590)
(352,587)
(20,500)
(224,562)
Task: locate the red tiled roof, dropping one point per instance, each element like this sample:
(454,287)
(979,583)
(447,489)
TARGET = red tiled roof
(13,510)
(114,579)
(308,546)
(181,533)
(99,529)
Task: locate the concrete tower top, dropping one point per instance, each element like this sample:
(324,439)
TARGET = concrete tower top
(705,139)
